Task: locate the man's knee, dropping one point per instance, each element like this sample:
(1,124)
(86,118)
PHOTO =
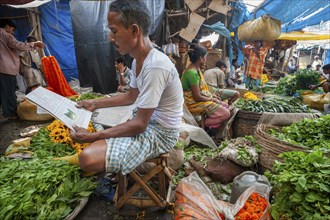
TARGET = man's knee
(90,163)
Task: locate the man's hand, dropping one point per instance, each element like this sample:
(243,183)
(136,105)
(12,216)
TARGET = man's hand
(121,67)
(81,135)
(312,87)
(87,104)
(39,44)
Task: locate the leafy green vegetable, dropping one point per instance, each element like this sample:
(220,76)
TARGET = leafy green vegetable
(43,147)
(40,188)
(273,104)
(311,133)
(301,186)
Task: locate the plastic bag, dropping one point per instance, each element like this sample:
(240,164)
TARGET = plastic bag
(264,28)
(316,101)
(263,190)
(232,152)
(171,49)
(194,200)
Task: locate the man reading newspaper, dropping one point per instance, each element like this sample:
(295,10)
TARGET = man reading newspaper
(155,88)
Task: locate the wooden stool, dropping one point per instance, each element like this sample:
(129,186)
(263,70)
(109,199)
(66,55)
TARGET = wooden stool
(163,174)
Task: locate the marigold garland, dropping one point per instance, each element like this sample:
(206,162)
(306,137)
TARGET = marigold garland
(59,133)
(253,208)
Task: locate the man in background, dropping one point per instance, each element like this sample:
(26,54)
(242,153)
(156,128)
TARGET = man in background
(9,66)
(326,83)
(215,79)
(124,75)
(257,55)
(30,67)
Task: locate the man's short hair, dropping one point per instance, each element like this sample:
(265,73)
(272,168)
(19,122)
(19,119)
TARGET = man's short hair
(30,39)
(132,12)
(5,22)
(120,60)
(326,67)
(220,64)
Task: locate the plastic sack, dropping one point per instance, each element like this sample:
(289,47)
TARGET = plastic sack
(263,190)
(28,111)
(316,101)
(171,49)
(194,200)
(264,28)
(231,152)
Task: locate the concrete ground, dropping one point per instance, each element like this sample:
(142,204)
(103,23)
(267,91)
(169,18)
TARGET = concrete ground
(96,208)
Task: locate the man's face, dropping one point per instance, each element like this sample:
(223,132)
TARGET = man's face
(123,39)
(327,72)
(223,68)
(10,29)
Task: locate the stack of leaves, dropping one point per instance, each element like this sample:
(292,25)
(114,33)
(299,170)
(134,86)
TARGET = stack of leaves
(253,208)
(301,80)
(55,78)
(301,186)
(59,133)
(311,133)
(273,104)
(40,189)
(43,147)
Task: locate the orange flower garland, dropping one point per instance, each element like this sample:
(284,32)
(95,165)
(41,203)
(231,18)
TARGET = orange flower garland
(55,78)
(59,133)
(253,208)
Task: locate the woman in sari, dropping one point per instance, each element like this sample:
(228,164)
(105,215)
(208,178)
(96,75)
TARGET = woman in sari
(197,96)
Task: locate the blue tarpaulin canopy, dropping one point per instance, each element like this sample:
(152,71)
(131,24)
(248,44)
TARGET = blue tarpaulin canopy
(295,14)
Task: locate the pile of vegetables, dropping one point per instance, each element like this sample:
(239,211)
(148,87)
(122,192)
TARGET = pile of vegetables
(59,133)
(253,208)
(301,80)
(301,186)
(250,95)
(40,189)
(43,147)
(86,96)
(273,104)
(311,133)
(55,78)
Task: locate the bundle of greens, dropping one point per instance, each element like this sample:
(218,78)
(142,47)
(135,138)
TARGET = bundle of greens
(43,147)
(311,133)
(40,189)
(301,186)
(301,80)
(273,104)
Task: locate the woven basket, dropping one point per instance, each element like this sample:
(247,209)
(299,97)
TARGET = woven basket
(271,146)
(245,123)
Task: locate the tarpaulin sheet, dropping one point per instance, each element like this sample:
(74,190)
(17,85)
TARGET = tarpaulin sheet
(32,4)
(297,35)
(95,55)
(57,34)
(296,14)
(221,29)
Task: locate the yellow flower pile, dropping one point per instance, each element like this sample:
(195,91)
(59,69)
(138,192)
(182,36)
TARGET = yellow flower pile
(264,79)
(250,95)
(59,133)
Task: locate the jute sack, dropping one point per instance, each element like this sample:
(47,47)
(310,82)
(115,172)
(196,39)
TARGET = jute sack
(264,28)
(28,111)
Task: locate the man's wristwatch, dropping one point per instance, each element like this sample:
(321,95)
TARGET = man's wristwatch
(121,74)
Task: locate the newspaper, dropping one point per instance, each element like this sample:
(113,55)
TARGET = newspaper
(60,107)
(66,111)
(112,116)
